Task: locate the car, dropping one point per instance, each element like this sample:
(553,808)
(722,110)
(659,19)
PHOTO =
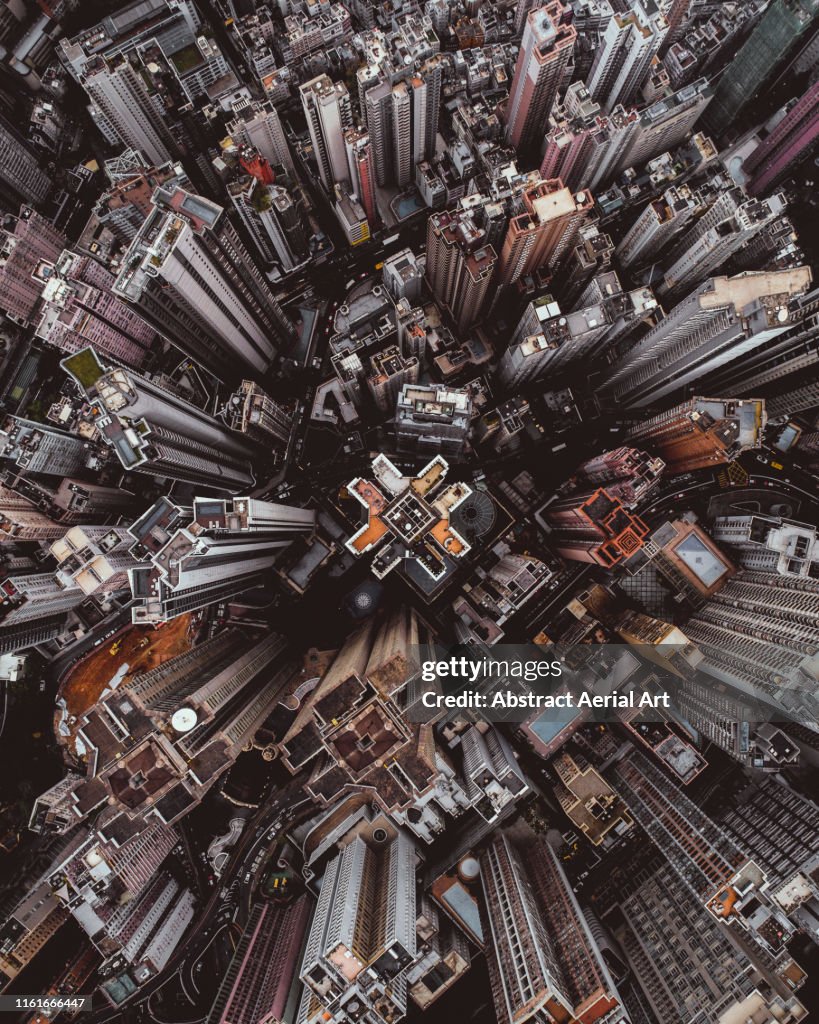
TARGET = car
(777,465)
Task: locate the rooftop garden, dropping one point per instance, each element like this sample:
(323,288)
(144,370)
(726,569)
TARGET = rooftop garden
(261,200)
(186,58)
(85,367)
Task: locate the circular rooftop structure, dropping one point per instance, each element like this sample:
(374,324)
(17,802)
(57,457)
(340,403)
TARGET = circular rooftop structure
(475,516)
(183,720)
(93,858)
(469,869)
(364,600)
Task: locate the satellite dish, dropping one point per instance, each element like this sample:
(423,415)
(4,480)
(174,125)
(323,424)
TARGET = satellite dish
(183,720)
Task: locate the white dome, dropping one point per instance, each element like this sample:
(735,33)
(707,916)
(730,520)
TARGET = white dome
(469,869)
(183,720)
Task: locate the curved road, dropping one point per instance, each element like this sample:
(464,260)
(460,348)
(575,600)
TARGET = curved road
(220,909)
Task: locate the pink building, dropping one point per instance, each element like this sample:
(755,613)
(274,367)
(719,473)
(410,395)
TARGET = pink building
(79,309)
(547,44)
(256,986)
(792,139)
(566,155)
(29,245)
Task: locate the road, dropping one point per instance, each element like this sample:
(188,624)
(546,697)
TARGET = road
(221,910)
(59,666)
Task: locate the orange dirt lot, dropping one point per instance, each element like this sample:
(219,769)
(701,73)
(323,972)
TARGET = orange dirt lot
(84,684)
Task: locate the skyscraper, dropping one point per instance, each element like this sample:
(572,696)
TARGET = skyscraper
(188,720)
(327,109)
(69,500)
(258,126)
(17,636)
(728,719)
(660,222)
(35,596)
(665,124)
(724,318)
(79,309)
(94,558)
(37,448)
(716,871)
(567,154)
(153,431)
(432,420)
(122,103)
(682,958)
(29,925)
(777,826)
(362,170)
(680,567)
(111,886)
(622,63)
(785,368)
(593,527)
(378,112)
(407,103)
(123,207)
(257,984)
(402,113)
(699,851)
(373,674)
(403,276)
(23,179)
(20,519)
(589,256)
(390,372)
(352,216)
(362,936)
(714,238)
(629,475)
(790,141)
(188,275)
(29,245)
(212,551)
(272,220)
(587,149)
(460,265)
(538,237)
(759,634)
(702,432)
(543,960)
(769,543)
(529,358)
(252,412)
(771,43)
(588,801)
(172,24)
(545,50)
